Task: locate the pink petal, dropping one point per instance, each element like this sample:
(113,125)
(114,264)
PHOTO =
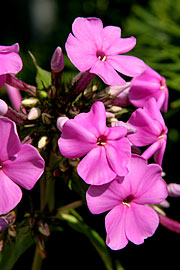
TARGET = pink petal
(141,222)
(147,129)
(105,197)
(122,45)
(9,140)
(95,120)
(94,168)
(8,49)
(10,63)
(107,73)
(127,65)
(79,54)
(75,141)
(115,223)
(88,31)
(174,190)
(169,223)
(158,156)
(117,132)
(118,155)
(10,194)
(26,167)
(151,188)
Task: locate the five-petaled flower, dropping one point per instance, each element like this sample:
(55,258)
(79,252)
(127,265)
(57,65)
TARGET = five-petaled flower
(150,130)
(97,50)
(107,149)
(20,164)
(130,218)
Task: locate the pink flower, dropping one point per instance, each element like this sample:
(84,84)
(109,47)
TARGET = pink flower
(130,218)
(20,164)
(10,61)
(149,84)
(107,150)
(97,50)
(150,130)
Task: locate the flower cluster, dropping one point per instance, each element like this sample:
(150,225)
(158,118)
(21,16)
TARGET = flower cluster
(82,123)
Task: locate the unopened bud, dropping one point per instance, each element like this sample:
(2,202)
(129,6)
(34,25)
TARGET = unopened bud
(43,228)
(43,142)
(61,121)
(34,113)
(30,102)
(12,231)
(115,109)
(115,90)
(1,245)
(3,107)
(173,190)
(42,94)
(57,61)
(110,115)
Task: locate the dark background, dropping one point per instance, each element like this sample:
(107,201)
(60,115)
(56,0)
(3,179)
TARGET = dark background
(40,26)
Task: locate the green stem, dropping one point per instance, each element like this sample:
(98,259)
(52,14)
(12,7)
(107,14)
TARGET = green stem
(70,206)
(38,260)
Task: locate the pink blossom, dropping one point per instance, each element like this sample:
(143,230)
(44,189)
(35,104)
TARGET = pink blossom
(10,61)
(20,164)
(174,190)
(97,50)
(150,130)
(107,150)
(149,84)
(130,218)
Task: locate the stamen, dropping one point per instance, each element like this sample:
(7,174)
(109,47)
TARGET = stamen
(104,59)
(101,141)
(1,167)
(162,87)
(125,203)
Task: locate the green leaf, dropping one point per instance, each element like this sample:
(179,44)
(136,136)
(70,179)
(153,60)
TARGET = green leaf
(75,221)
(43,77)
(13,250)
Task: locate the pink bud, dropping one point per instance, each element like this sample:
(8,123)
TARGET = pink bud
(61,121)
(174,190)
(57,61)
(14,96)
(3,107)
(169,223)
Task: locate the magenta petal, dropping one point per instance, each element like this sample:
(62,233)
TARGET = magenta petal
(95,120)
(141,222)
(8,49)
(127,65)
(107,73)
(94,168)
(152,188)
(9,142)
(115,223)
(147,130)
(26,167)
(10,63)
(118,154)
(10,194)
(105,197)
(75,141)
(122,45)
(82,58)
(88,31)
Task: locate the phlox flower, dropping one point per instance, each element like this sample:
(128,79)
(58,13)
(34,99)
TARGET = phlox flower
(150,130)
(97,50)
(130,218)
(107,150)
(20,164)
(149,84)
(10,61)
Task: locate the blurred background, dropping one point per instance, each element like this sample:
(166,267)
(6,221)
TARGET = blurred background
(40,26)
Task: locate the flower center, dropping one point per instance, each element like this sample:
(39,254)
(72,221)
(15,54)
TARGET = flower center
(127,200)
(101,141)
(1,166)
(101,56)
